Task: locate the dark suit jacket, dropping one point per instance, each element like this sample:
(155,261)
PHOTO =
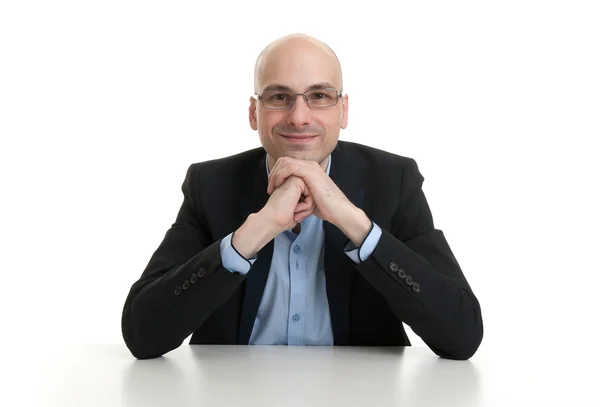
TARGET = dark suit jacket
(186,290)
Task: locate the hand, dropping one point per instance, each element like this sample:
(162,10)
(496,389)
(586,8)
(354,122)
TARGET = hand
(290,203)
(331,203)
(328,198)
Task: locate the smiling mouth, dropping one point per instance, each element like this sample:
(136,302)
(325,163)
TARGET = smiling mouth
(298,136)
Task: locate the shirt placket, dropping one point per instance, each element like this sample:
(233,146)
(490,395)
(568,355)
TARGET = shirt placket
(297,314)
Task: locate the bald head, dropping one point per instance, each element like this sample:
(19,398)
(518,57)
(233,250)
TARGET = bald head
(296,50)
(291,65)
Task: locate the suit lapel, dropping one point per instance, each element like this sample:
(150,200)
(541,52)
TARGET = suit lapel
(339,268)
(253,199)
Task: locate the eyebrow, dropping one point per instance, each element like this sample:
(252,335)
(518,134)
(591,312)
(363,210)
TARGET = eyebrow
(277,86)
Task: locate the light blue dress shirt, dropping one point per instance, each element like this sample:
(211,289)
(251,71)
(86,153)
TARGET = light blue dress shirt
(294,309)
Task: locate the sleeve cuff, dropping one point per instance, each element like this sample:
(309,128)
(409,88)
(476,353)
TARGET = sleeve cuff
(362,252)
(232,260)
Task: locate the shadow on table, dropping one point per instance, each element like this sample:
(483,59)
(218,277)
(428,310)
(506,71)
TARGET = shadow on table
(442,382)
(154,382)
(282,375)
(335,376)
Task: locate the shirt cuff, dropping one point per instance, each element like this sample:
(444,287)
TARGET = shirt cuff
(362,252)
(232,260)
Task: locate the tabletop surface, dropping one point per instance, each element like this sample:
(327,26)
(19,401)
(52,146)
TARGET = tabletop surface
(224,375)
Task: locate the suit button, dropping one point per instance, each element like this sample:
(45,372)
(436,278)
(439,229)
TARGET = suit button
(193,278)
(408,280)
(393,267)
(186,284)
(401,273)
(416,287)
(178,290)
(201,273)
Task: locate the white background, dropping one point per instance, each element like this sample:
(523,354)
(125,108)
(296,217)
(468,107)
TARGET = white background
(104,105)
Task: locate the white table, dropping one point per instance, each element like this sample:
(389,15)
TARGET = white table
(108,376)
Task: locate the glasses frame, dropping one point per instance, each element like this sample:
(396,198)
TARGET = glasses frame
(338,94)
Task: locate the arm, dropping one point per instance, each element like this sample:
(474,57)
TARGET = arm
(415,271)
(182,285)
(412,266)
(185,281)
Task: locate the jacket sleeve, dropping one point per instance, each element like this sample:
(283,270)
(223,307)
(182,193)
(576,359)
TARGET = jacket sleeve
(421,280)
(182,285)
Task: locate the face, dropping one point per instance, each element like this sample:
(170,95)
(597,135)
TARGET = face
(299,132)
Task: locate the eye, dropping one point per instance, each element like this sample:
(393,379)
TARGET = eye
(279,97)
(321,95)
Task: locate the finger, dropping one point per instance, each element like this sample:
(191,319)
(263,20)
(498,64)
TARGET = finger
(299,217)
(270,187)
(286,167)
(303,206)
(273,175)
(282,174)
(270,177)
(307,205)
(278,164)
(302,170)
(278,178)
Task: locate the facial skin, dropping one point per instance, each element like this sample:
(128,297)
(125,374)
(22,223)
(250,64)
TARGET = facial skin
(298,62)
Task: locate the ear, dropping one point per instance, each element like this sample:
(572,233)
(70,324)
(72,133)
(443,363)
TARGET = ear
(344,121)
(252,114)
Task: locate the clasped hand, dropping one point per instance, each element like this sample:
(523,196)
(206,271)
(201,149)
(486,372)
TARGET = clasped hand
(300,188)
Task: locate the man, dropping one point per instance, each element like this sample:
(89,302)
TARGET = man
(305,241)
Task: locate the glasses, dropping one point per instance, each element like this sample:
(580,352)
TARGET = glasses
(284,100)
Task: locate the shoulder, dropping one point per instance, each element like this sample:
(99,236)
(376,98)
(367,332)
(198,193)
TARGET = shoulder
(227,166)
(232,162)
(375,158)
(388,170)
(212,175)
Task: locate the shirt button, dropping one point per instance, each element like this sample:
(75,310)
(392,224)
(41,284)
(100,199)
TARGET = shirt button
(296,318)
(296,249)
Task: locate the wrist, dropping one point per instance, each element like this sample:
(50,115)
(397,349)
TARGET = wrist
(355,224)
(254,234)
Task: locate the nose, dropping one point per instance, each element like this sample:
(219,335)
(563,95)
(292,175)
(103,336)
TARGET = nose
(299,114)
